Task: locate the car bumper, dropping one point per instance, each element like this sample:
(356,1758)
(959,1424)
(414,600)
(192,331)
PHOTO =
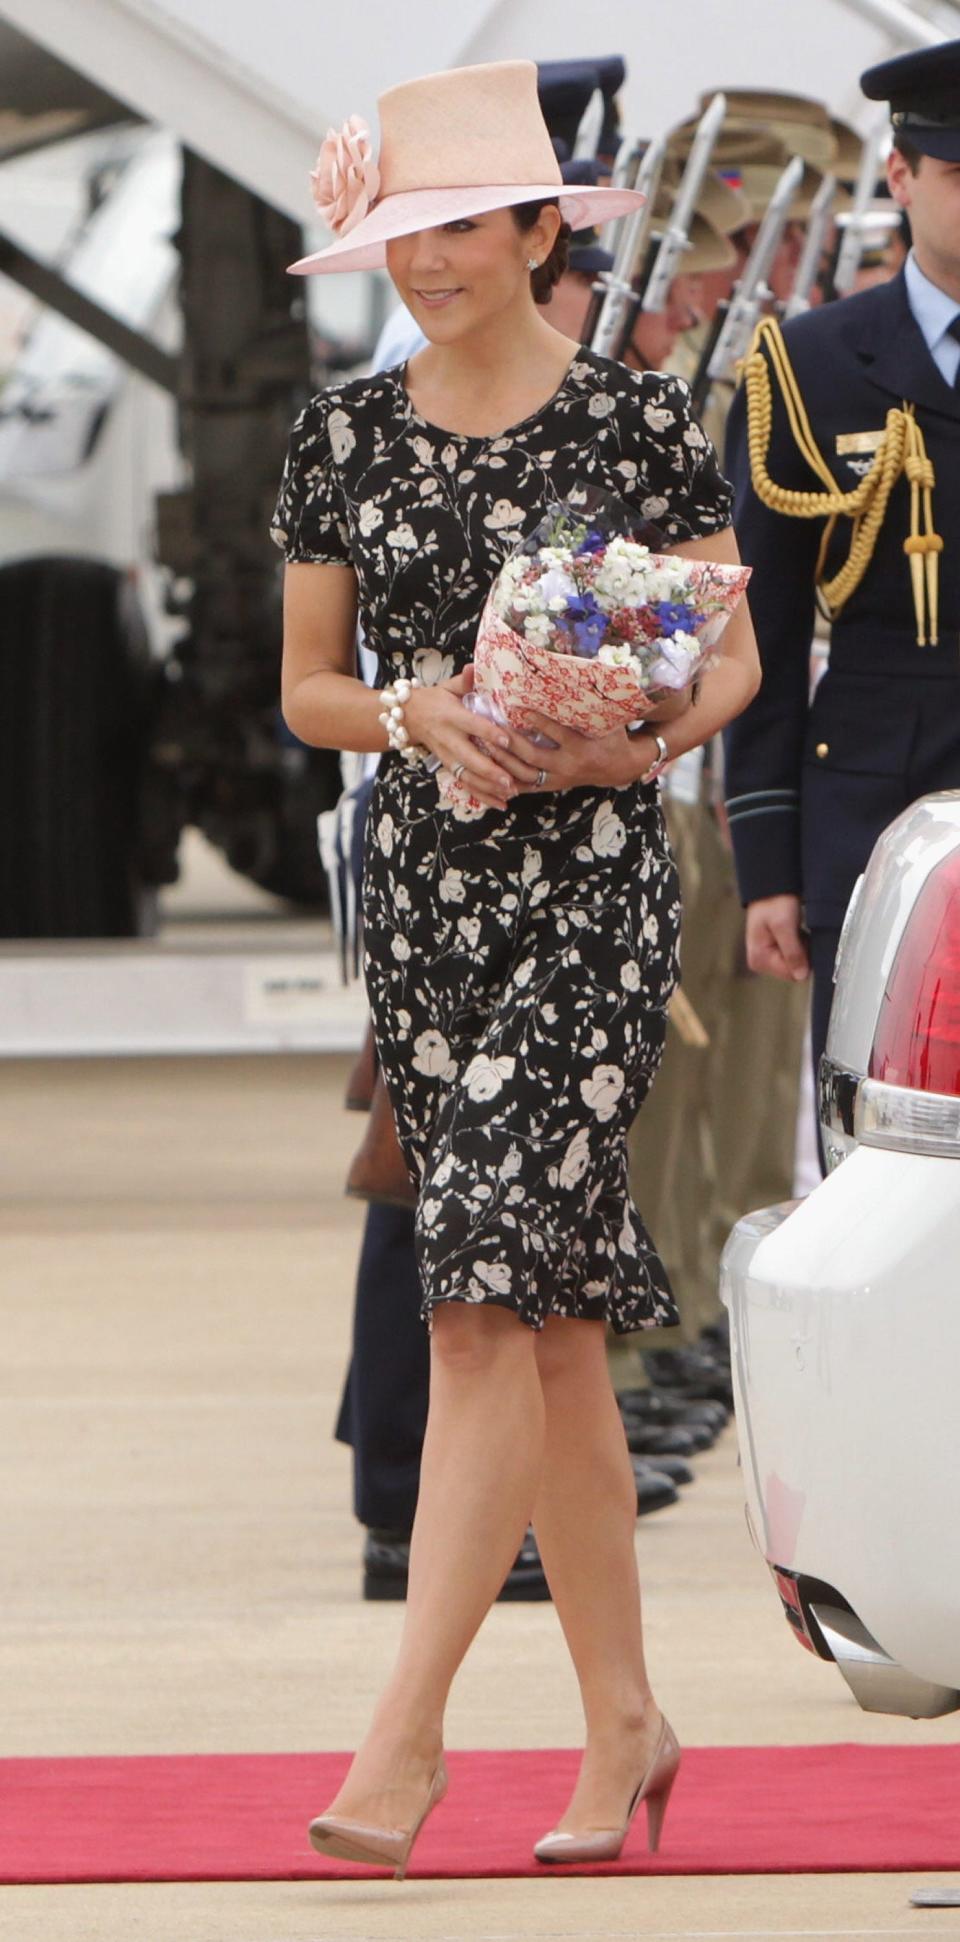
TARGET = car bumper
(845,1340)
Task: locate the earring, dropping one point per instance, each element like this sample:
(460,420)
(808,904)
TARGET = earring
(533,263)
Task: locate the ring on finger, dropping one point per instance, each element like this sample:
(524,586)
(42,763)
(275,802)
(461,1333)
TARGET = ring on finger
(457,770)
(540,779)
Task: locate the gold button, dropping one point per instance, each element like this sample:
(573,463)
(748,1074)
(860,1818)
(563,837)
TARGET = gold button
(823,748)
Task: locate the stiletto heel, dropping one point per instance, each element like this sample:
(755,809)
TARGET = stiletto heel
(604,1844)
(657,1804)
(378,1847)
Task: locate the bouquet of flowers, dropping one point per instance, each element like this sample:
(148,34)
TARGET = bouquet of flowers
(588,625)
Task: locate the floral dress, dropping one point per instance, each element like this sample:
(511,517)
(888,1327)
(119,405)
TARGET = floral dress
(519,964)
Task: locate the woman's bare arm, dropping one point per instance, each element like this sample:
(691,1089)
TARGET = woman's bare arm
(327,705)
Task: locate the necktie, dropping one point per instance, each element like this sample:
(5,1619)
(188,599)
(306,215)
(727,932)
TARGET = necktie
(954,331)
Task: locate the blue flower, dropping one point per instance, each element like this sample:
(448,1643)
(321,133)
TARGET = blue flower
(590,633)
(676,616)
(592,542)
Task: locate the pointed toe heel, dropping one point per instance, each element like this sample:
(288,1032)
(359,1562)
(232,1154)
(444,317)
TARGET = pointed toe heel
(605,1844)
(375,1847)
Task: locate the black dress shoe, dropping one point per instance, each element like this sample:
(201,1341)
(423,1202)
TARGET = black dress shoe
(644,1439)
(675,1416)
(676,1468)
(655,1491)
(672,1412)
(692,1372)
(386,1564)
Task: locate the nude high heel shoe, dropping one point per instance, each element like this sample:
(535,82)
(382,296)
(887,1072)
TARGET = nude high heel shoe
(379,1847)
(604,1844)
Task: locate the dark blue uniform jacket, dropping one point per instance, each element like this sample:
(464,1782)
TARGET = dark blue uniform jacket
(810,787)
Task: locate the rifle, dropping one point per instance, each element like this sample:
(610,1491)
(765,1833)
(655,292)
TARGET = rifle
(676,237)
(808,268)
(857,228)
(615,302)
(734,322)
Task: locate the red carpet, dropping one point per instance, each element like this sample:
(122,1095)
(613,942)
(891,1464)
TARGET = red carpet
(242,1817)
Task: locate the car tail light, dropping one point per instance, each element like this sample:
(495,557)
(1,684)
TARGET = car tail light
(910,1099)
(917,1039)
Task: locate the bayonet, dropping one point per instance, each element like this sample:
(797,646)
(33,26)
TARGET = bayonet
(857,228)
(808,268)
(752,291)
(676,237)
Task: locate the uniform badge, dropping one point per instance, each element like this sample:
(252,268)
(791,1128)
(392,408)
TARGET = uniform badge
(849,443)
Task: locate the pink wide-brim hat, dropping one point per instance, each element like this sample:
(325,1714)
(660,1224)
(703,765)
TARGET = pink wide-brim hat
(453,144)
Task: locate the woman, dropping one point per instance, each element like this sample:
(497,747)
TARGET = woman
(519,965)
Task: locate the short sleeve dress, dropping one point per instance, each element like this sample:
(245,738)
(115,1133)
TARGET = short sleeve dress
(518,964)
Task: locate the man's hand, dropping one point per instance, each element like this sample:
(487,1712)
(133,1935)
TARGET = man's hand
(774,941)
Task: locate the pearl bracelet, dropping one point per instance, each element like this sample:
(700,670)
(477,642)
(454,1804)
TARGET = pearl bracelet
(394,699)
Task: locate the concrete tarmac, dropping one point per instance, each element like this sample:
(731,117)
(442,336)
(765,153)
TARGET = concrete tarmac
(181,1568)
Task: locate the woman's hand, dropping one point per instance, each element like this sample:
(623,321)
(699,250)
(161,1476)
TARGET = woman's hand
(599,761)
(436,718)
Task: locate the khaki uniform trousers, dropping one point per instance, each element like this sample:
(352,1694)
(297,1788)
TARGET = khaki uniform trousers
(716,1135)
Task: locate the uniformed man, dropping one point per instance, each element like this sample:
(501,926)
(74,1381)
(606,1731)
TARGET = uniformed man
(811,785)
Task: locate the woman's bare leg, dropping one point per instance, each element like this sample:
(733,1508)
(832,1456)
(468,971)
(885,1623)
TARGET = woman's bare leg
(482,1461)
(585,1522)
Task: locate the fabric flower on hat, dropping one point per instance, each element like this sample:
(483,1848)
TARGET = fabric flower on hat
(346,180)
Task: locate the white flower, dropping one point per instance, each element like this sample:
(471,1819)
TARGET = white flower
(449,457)
(474,1292)
(627,470)
(608,835)
(601,405)
(539,891)
(400,949)
(502,515)
(469,928)
(495,1275)
(538,630)
(403,539)
(628,1239)
(557,585)
(653,507)
(370,517)
(678,658)
(385,829)
(616,654)
(630,975)
(431,665)
(695,438)
(431,1056)
(511,1164)
(484,1077)
(602,1090)
(657,417)
(517,1193)
(442,1174)
(549,1014)
(599,1040)
(651,929)
(430,1211)
(424,450)
(342,438)
(452,890)
(531,867)
(404,1021)
(576,1159)
(524,972)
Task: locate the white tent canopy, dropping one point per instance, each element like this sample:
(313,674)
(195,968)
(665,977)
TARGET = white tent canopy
(253,87)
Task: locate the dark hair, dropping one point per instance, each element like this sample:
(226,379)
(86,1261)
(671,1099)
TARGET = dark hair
(542,281)
(912,155)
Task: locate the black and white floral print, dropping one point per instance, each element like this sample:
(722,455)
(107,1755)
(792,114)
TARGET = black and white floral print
(518,964)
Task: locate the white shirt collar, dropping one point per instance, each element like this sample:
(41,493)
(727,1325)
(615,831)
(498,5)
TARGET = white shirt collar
(933,309)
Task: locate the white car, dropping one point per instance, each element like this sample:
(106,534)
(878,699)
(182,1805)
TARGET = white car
(845,1307)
